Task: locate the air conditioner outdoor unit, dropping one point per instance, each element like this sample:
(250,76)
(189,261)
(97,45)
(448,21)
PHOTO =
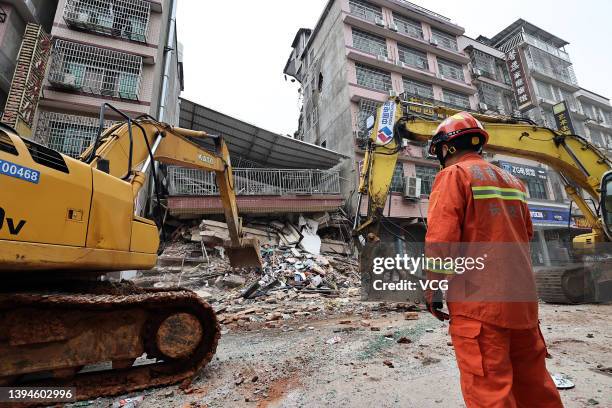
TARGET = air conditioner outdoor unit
(383,58)
(433,42)
(412,188)
(82,17)
(392,26)
(476,72)
(483,106)
(404,65)
(379,22)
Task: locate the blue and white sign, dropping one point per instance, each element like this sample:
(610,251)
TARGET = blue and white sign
(523,171)
(23,173)
(549,215)
(384,136)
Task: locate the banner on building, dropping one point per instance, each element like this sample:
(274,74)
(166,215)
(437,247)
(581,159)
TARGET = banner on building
(550,216)
(520,81)
(26,86)
(523,171)
(563,119)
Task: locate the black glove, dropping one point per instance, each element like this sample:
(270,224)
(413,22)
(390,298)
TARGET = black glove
(435,302)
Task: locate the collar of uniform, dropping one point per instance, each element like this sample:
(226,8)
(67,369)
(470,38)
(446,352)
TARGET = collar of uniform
(469,156)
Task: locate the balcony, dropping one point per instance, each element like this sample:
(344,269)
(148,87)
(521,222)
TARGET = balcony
(127,19)
(366,11)
(93,70)
(258,190)
(68,134)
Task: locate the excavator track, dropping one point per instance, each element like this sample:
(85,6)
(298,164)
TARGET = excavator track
(48,336)
(565,285)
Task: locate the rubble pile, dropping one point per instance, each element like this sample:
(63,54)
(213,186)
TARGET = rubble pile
(303,275)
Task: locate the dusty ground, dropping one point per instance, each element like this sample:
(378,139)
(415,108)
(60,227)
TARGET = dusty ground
(296,365)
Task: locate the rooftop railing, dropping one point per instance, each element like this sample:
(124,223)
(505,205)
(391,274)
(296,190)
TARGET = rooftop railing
(255,182)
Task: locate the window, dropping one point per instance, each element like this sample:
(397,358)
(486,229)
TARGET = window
(127,19)
(367,108)
(95,70)
(455,99)
(444,40)
(416,88)
(369,43)
(450,69)
(373,78)
(408,26)
(491,96)
(536,188)
(397,182)
(544,90)
(427,174)
(596,137)
(486,63)
(412,57)
(365,10)
(68,134)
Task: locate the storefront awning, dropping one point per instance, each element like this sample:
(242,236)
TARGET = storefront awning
(249,142)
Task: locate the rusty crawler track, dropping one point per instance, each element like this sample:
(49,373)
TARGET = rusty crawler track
(103,298)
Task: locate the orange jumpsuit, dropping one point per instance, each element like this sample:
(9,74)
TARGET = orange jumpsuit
(479,210)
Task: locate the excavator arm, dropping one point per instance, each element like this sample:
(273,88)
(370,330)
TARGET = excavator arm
(128,150)
(579,163)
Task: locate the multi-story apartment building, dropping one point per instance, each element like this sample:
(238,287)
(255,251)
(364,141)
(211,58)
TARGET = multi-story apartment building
(122,52)
(14,16)
(360,52)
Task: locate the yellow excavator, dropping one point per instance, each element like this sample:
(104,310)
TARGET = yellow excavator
(65,222)
(580,164)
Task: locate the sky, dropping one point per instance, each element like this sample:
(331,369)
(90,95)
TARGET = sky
(235,51)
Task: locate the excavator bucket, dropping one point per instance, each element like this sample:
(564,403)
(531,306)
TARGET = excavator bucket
(246,255)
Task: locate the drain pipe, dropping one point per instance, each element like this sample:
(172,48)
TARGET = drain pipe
(169,49)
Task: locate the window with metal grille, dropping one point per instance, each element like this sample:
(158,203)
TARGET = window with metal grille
(127,19)
(416,88)
(536,188)
(373,78)
(544,90)
(365,10)
(579,128)
(411,28)
(607,117)
(444,40)
(369,43)
(491,96)
(412,57)
(367,108)
(68,134)
(427,174)
(95,70)
(485,63)
(398,179)
(455,99)
(450,69)
(596,137)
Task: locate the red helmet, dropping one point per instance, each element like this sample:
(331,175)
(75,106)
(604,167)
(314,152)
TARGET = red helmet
(462,123)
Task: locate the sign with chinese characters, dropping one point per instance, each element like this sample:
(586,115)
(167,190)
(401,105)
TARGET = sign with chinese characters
(384,135)
(26,86)
(520,82)
(549,215)
(563,119)
(523,171)
(422,106)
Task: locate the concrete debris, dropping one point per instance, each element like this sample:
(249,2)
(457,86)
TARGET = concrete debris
(388,363)
(132,402)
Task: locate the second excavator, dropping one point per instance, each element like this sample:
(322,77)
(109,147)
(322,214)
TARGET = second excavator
(65,222)
(581,166)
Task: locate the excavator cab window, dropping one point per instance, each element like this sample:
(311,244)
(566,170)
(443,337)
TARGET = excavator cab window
(606,202)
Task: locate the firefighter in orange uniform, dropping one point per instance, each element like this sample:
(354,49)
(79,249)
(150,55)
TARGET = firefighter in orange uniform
(476,207)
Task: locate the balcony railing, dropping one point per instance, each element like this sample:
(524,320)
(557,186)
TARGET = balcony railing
(127,19)
(68,134)
(366,11)
(255,182)
(94,70)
